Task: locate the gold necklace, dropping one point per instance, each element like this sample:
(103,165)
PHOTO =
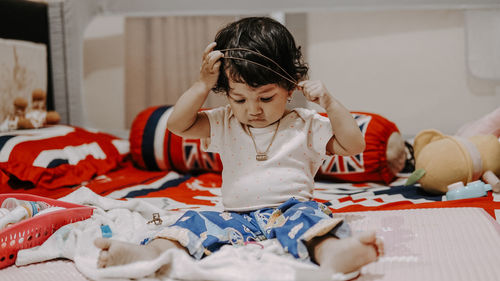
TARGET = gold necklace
(262,156)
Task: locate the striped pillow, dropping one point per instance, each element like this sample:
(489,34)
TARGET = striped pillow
(153,147)
(58,156)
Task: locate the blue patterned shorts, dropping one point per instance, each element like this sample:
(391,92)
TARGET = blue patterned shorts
(293,223)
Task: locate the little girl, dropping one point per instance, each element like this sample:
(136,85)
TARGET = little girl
(270,155)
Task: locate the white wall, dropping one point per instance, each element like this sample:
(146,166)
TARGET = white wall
(104,74)
(409,66)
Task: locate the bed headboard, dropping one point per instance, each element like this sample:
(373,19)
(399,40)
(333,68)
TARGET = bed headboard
(28,21)
(69,18)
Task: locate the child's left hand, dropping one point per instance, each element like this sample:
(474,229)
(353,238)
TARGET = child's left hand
(315,91)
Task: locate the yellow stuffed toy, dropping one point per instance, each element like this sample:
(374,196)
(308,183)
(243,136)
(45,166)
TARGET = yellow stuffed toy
(441,160)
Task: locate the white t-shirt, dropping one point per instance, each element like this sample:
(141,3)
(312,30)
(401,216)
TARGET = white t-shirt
(294,157)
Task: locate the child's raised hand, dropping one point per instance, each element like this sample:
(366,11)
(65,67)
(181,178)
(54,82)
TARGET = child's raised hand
(209,71)
(315,91)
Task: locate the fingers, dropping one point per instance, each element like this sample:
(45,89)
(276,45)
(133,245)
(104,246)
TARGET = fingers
(379,245)
(209,70)
(312,90)
(209,55)
(208,49)
(368,237)
(311,86)
(211,59)
(102,260)
(371,238)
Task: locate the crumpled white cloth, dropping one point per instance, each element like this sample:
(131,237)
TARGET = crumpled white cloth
(126,219)
(128,222)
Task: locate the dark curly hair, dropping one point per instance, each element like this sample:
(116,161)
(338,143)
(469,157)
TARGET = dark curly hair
(267,37)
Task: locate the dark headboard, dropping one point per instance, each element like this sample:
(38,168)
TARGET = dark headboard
(28,21)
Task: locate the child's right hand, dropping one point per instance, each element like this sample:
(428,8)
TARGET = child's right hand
(209,71)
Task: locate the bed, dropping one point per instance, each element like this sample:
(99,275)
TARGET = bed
(427,237)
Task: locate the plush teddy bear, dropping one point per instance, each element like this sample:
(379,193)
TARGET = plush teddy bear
(19,116)
(34,117)
(441,160)
(37,116)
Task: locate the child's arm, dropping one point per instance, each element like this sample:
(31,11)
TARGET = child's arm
(185,119)
(347,138)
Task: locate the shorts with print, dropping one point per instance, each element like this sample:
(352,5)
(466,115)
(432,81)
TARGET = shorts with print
(292,223)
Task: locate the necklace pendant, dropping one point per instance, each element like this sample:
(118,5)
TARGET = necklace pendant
(261,157)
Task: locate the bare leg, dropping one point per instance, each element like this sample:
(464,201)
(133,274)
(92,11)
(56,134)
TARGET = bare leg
(348,254)
(115,252)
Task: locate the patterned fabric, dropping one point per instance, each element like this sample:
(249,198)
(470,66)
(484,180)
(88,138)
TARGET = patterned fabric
(293,223)
(58,156)
(203,192)
(371,164)
(155,148)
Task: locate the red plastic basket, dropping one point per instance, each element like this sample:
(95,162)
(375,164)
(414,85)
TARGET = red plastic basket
(34,231)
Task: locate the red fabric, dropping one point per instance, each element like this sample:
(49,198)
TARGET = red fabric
(184,193)
(485,203)
(198,191)
(185,155)
(178,154)
(137,135)
(4,178)
(371,165)
(94,152)
(126,176)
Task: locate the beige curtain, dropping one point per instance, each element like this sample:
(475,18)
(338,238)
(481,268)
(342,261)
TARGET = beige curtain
(162,58)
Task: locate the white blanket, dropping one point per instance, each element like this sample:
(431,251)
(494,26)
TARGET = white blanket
(128,222)
(458,244)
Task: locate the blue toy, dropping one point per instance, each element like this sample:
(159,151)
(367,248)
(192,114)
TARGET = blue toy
(106,231)
(471,190)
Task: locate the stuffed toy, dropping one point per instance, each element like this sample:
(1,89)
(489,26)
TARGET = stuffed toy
(487,125)
(442,160)
(38,114)
(34,117)
(19,116)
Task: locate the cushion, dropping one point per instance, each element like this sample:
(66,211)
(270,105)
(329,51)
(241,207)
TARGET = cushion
(370,165)
(153,147)
(58,156)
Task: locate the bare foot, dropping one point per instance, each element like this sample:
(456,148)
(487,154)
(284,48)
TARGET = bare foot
(348,254)
(114,252)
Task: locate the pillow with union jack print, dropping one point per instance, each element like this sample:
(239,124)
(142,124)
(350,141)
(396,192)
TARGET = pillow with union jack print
(58,156)
(153,147)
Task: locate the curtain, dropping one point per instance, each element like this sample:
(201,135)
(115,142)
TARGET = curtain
(163,58)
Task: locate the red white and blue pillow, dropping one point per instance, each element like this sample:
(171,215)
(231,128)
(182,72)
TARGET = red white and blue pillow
(58,156)
(153,147)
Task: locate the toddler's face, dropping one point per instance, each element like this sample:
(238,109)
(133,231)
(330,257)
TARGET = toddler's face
(257,107)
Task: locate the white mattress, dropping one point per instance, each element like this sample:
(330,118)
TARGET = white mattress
(422,244)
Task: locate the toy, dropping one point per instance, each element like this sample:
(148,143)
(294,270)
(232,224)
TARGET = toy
(34,117)
(38,115)
(442,160)
(11,122)
(471,190)
(488,124)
